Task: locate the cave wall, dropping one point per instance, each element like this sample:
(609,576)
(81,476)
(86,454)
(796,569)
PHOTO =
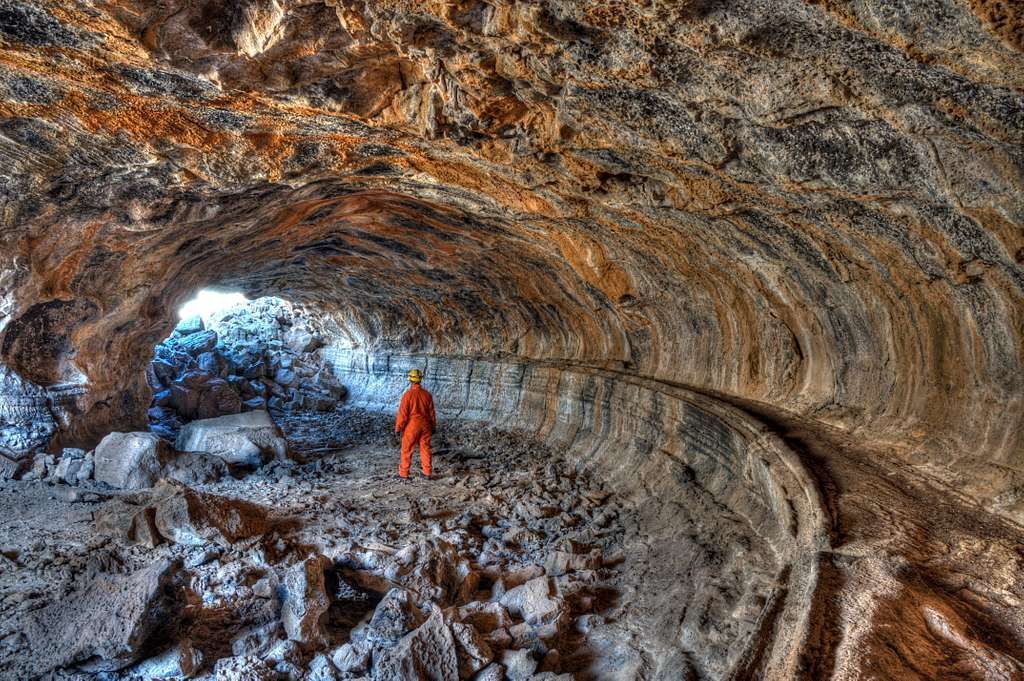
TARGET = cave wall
(802,205)
(669,453)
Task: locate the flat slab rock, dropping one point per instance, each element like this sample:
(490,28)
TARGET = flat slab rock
(247,439)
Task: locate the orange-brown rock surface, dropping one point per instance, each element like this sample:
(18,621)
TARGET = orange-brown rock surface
(805,216)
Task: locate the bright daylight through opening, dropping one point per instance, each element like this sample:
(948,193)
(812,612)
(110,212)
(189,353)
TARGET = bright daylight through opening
(209,302)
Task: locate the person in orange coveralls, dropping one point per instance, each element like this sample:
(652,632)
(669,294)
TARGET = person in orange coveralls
(417,418)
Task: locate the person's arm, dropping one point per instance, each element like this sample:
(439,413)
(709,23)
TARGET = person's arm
(433,416)
(403,414)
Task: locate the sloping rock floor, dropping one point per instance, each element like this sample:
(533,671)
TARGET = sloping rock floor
(507,565)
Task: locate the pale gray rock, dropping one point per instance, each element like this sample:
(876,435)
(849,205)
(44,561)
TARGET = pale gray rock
(493,672)
(435,569)
(256,640)
(181,661)
(245,668)
(69,469)
(533,602)
(520,665)
(195,468)
(392,619)
(130,460)
(473,652)
(350,659)
(248,439)
(322,669)
(107,622)
(283,650)
(425,653)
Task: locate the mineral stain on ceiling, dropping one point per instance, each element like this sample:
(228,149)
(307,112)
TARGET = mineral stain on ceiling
(812,212)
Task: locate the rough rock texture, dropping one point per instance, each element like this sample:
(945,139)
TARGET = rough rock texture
(130,460)
(111,619)
(413,539)
(181,515)
(759,265)
(264,355)
(247,439)
(304,601)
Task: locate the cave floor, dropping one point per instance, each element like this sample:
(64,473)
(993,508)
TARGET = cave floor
(503,504)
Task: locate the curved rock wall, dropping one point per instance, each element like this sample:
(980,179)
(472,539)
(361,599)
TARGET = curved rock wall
(804,205)
(678,458)
(810,209)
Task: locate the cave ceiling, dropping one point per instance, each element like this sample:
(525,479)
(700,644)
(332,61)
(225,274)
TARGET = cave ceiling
(811,205)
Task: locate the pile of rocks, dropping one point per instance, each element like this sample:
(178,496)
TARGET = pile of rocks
(503,568)
(264,354)
(72,467)
(205,451)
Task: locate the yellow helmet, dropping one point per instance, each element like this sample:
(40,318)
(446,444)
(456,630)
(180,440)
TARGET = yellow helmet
(415,375)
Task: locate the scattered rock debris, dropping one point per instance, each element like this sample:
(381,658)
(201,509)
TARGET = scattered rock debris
(324,568)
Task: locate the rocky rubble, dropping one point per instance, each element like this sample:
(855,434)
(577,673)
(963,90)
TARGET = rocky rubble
(332,569)
(257,355)
(206,451)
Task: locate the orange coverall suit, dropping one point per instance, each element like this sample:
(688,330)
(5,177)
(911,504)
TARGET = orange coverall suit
(417,418)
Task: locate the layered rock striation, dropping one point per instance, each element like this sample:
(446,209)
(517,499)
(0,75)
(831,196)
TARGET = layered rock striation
(744,254)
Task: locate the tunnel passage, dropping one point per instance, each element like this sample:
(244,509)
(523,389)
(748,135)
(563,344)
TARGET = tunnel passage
(758,266)
(229,355)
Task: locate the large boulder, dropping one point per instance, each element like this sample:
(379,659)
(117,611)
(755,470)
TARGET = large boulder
(248,439)
(108,623)
(130,460)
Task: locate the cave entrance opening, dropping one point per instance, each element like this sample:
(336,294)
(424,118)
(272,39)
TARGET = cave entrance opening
(229,355)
